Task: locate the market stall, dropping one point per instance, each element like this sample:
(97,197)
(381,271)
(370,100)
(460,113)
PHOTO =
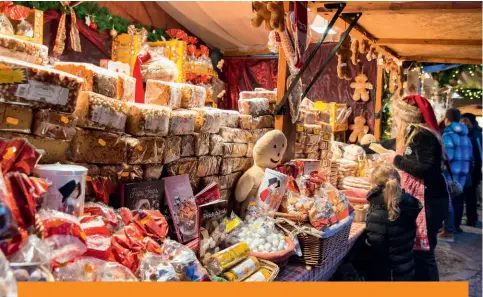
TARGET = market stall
(121,167)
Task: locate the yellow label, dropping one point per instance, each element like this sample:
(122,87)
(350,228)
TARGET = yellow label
(316,131)
(326,136)
(124,174)
(215,105)
(101,142)
(300,128)
(64,119)
(12,121)
(140,148)
(10,153)
(88,178)
(231,224)
(12,76)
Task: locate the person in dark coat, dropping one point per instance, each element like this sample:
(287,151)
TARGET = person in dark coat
(390,228)
(417,151)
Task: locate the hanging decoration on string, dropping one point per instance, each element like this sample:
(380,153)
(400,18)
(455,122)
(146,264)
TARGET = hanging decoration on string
(343,56)
(361,87)
(61,31)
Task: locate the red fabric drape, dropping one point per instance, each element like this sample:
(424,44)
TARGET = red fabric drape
(246,74)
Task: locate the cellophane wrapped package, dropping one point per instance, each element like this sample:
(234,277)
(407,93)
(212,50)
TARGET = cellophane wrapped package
(249,122)
(101,112)
(8,284)
(208,120)
(62,88)
(235,149)
(236,135)
(159,68)
(254,107)
(270,95)
(126,88)
(105,212)
(64,236)
(208,165)
(188,166)
(224,181)
(308,116)
(187,145)
(16,118)
(152,171)
(98,147)
(312,139)
(216,145)
(98,240)
(96,79)
(250,147)
(145,150)
(310,148)
(312,129)
(154,268)
(184,261)
(172,149)
(16,48)
(56,125)
(193,96)
(230,118)
(322,215)
(182,122)
(202,143)
(148,120)
(231,165)
(163,93)
(88,269)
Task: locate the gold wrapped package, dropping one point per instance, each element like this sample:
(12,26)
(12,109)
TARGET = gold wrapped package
(146,150)
(38,86)
(163,93)
(224,181)
(202,143)
(152,171)
(187,145)
(15,118)
(89,146)
(53,124)
(100,112)
(227,258)
(148,120)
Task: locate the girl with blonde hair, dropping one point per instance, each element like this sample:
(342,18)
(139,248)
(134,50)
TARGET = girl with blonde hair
(417,152)
(390,228)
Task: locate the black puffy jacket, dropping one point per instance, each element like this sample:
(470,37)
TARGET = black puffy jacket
(391,242)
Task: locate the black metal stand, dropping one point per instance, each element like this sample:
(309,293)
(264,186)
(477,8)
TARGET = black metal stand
(279,109)
(332,53)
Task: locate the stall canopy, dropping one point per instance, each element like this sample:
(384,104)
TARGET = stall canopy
(440,32)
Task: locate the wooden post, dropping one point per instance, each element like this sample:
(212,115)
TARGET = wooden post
(378,102)
(284,122)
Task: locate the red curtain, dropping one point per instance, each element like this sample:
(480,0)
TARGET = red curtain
(246,74)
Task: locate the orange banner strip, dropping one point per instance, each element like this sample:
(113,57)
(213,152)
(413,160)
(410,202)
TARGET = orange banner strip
(309,289)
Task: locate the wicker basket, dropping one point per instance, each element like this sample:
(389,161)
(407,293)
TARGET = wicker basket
(318,246)
(301,218)
(281,257)
(272,267)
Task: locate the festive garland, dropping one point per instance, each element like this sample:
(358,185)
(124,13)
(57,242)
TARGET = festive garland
(101,18)
(450,77)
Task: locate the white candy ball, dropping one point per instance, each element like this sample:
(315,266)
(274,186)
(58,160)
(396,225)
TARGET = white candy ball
(268,246)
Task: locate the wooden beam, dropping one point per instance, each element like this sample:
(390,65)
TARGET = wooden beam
(442,60)
(389,7)
(458,42)
(284,122)
(378,101)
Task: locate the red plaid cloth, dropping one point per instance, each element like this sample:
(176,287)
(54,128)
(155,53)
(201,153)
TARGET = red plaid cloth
(300,273)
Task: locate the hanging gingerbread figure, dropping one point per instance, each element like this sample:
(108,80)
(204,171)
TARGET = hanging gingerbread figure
(361,87)
(359,129)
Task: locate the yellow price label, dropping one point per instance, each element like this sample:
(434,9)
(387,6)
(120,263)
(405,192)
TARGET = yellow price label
(12,121)
(9,75)
(215,105)
(140,148)
(300,128)
(101,142)
(124,174)
(64,119)
(316,131)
